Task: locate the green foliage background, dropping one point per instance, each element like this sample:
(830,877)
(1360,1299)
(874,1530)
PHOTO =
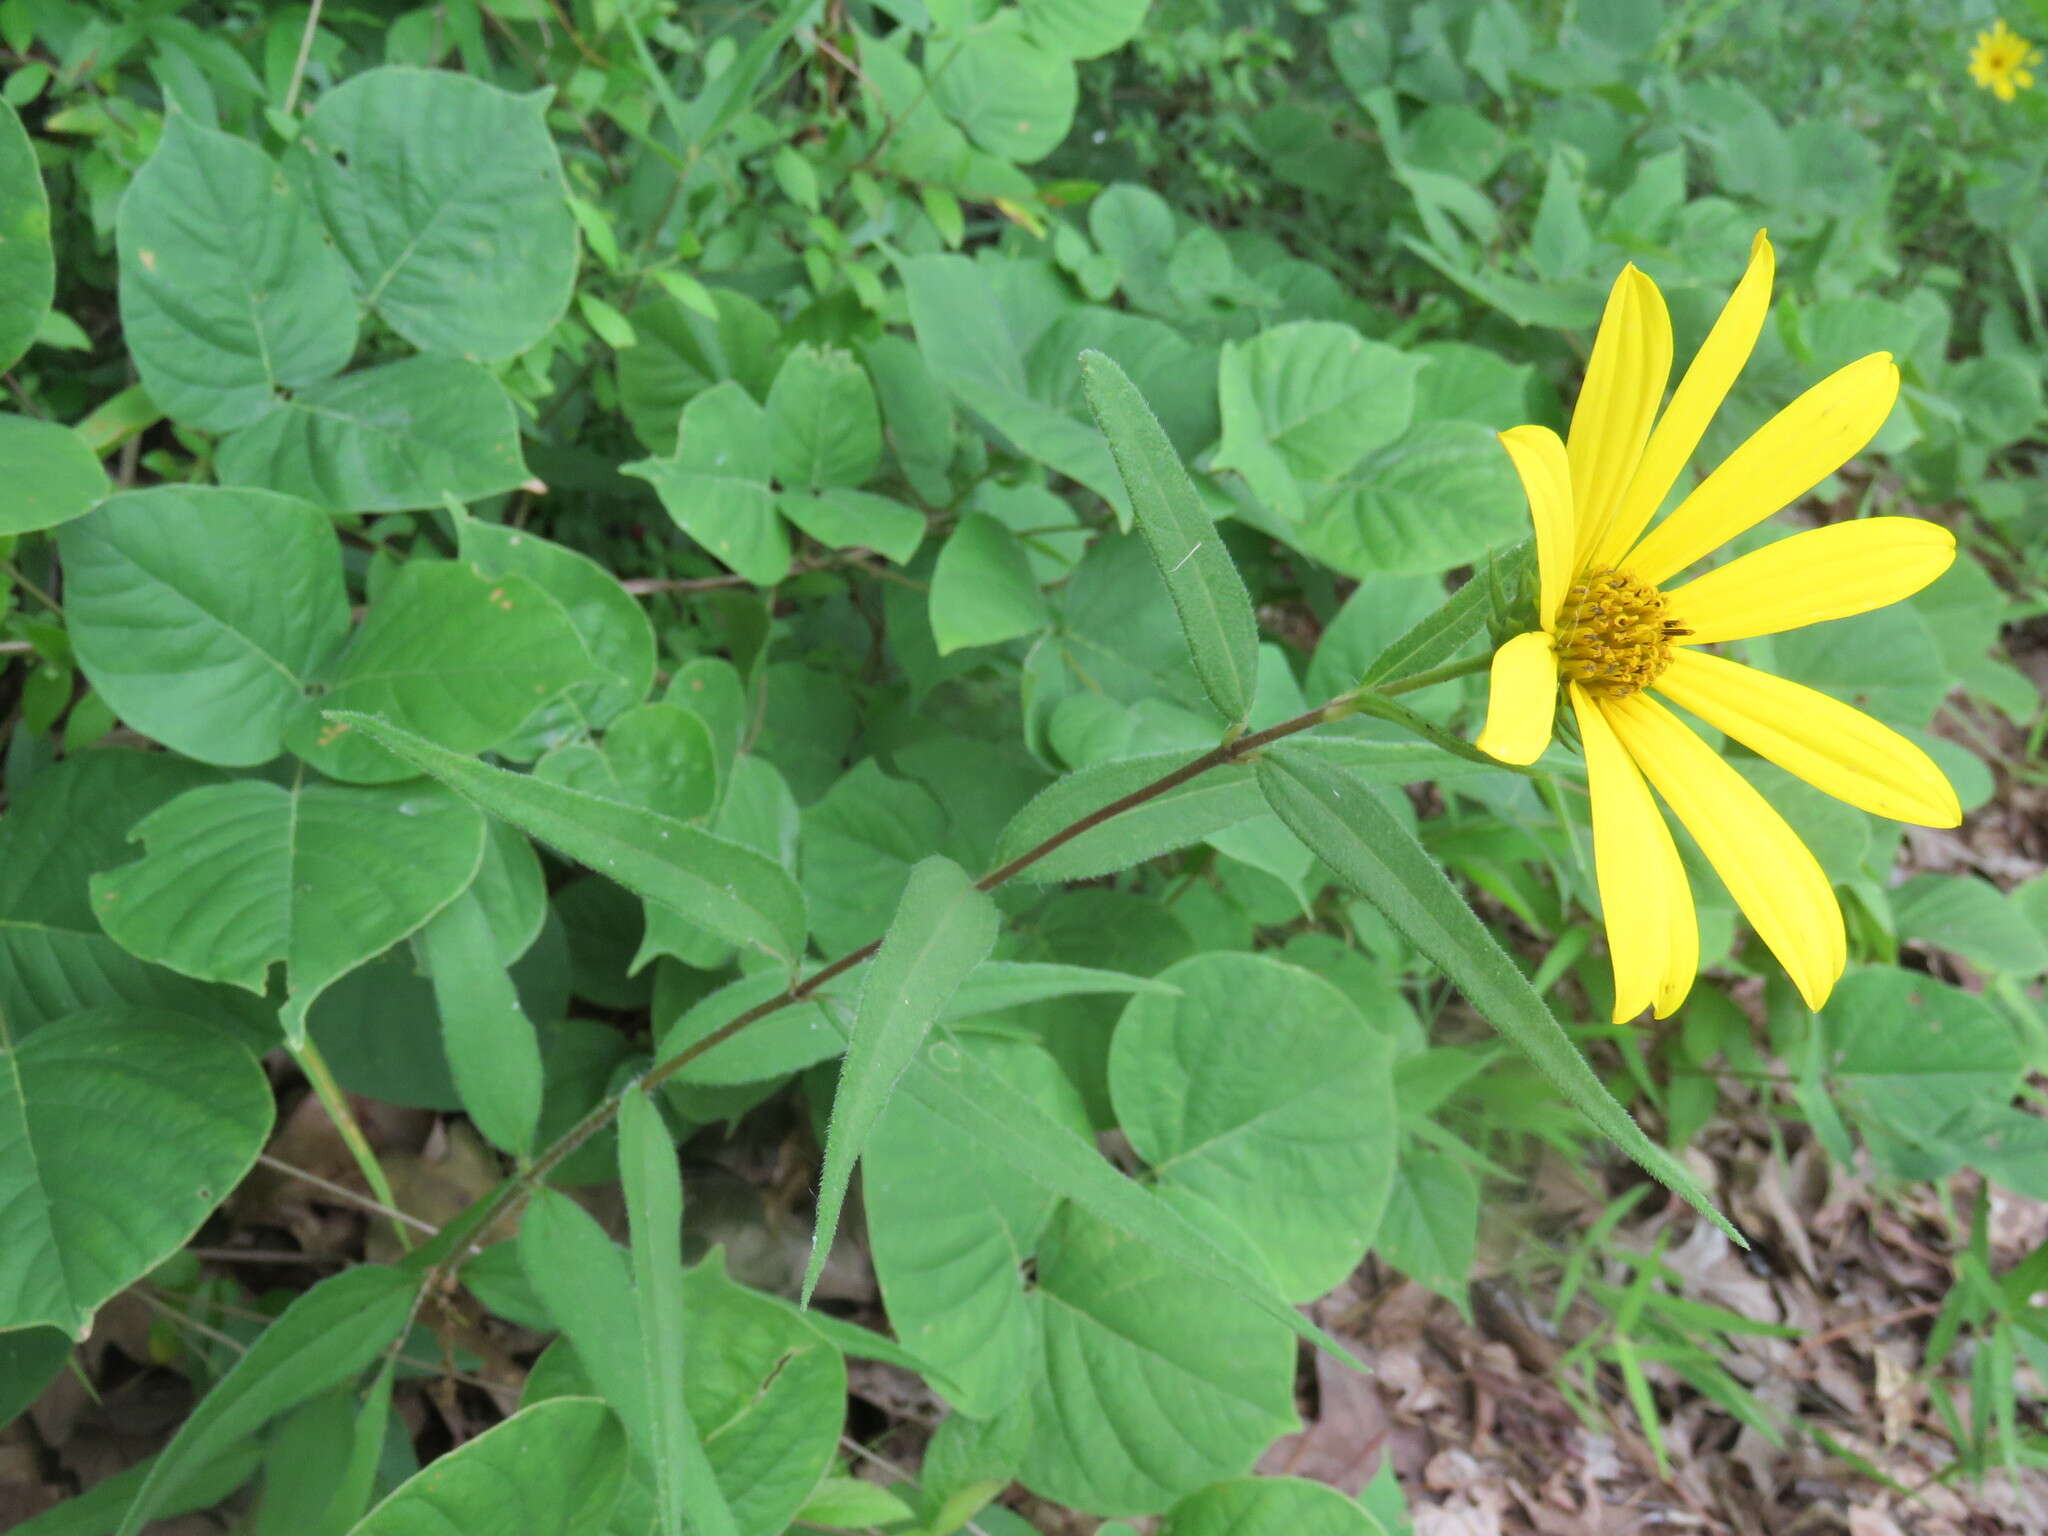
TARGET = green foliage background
(531,528)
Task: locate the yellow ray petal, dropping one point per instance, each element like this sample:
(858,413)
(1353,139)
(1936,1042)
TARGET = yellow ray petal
(1784,459)
(1522,701)
(1699,395)
(1824,573)
(1624,385)
(1653,938)
(1835,748)
(1539,458)
(1773,878)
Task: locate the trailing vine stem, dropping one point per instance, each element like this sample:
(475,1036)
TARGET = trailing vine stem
(1234,749)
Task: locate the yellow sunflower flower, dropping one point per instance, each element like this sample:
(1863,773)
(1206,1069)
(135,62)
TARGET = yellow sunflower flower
(2002,62)
(1614,632)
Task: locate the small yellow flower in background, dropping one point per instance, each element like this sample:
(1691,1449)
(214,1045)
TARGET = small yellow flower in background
(2002,62)
(1613,632)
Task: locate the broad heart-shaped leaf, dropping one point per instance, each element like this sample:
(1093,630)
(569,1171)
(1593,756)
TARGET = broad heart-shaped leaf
(1439,495)
(119,1133)
(320,876)
(458,656)
(1432,1222)
(823,426)
(765,1390)
(1208,594)
(735,892)
(950,1228)
(555,1467)
(967,338)
(1287,1129)
(840,518)
(200,614)
(653,1184)
(614,628)
(1015,98)
(392,439)
(492,1049)
(28,267)
(942,930)
(229,292)
(70,822)
(1307,401)
(683,353)
(321,1340)
(1083,29)
(1156,1380)
(1380,859)
(1269,1506)
(53,476)
(445,198)
(983,592)
(715,485)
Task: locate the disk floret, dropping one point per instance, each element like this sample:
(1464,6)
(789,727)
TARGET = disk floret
(1614,633)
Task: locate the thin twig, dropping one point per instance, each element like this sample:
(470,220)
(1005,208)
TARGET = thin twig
(291,95)
(343,1193)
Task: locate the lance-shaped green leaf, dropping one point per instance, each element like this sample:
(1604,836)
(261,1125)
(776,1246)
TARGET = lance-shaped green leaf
(654,1206)
(1215,610)
(28,267)
(742,896)
(321,1340)
(492,1049)
(1437,636)
(556,1466)
(320,877)
(1377,857)
(942,930)
(120,1131)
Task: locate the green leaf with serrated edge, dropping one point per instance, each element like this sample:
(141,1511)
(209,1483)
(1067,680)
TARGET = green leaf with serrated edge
(1438,637)
(950,1227)
(715,484)
(200,614)
(1268,1506)
(1156,1381)
(654,1207)
(972,1098)
(229,291)
(396,438)
(1439,495)
(614,627)
(1377,857)
(783,1042)
(823,426)
(555,1467)
(982,589)
(321,1340)
(1208,594)
(120,1132)
(321,877)
(53,474)
(445,197)
(1288,1130)
(492,1049)
(460,657)
(28,267)
(735,892)
(943,929)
